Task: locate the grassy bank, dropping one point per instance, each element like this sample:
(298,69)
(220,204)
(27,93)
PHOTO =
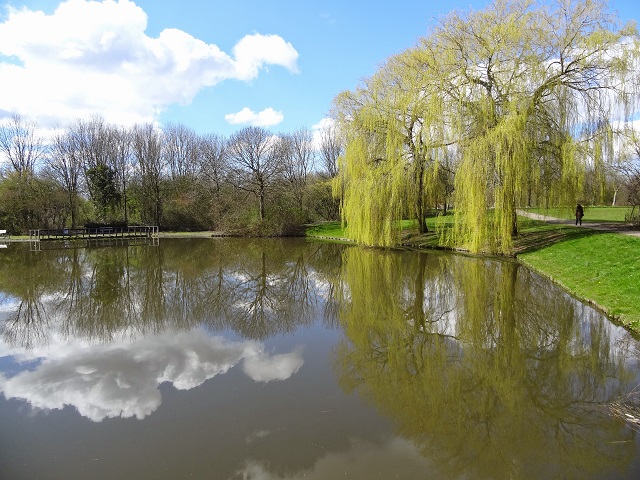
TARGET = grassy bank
(325,230)
(603,268)
(600,268)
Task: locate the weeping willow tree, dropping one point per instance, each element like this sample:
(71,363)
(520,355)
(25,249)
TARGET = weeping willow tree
(394,131)
(421,123)
(370,172)
(485,60)
(525,78)
(523,92)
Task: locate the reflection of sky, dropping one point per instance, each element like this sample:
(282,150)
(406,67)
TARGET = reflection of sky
(321,286)
(394,458)
(8,303)
(122,378)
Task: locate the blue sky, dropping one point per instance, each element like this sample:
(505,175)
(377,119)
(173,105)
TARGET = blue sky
(214,66)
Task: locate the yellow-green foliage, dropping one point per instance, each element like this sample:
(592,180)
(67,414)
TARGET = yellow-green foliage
(390,164)
(372,199)
(492,171)
(516,99)
(449,329)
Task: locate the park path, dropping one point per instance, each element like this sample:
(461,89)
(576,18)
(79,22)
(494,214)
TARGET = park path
(622,228)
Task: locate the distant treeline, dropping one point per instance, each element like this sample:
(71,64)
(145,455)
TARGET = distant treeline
(253,182)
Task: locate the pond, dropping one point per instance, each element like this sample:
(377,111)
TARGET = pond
(289,358)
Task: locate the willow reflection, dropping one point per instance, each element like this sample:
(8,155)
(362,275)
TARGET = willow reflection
(489,372)
(256,288)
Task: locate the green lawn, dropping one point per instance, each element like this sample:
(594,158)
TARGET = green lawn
(326,229)
(601,267)
(591,214)
(335,230)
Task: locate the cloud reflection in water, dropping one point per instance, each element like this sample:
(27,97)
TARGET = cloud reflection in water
(122,379)
(393,458)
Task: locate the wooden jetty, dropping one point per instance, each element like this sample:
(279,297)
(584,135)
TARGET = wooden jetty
(142,231)
(93,242)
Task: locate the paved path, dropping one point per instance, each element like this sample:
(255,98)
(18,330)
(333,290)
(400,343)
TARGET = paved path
(623,228)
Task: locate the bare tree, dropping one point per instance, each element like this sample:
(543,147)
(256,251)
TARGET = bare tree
(298,158)
(101,149)
(90,141)
(253,163)
(331,147)
(147,150)
(65,167)
(121,159)
(213,169)
(21,145)
(180,150)
(213,160)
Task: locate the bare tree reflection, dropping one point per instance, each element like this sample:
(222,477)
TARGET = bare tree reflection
(256,288)
(29,281)
(270,292)
(28,327)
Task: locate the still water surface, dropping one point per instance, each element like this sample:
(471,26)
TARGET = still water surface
(290,359)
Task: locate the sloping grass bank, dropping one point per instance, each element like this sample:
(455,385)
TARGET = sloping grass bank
(600,268)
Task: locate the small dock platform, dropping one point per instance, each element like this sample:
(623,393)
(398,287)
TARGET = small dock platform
(143,231)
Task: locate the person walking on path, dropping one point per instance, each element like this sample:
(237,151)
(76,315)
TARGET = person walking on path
(614,227)
(579,214)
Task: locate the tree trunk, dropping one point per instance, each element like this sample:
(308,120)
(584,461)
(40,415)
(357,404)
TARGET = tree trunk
(261,204)
(72,207)
(615,194)
(420,210)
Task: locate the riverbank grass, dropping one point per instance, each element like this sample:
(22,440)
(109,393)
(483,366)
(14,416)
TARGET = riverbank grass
(325,230)
(600,267)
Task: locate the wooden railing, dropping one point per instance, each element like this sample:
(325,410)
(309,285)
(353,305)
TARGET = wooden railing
(88,233)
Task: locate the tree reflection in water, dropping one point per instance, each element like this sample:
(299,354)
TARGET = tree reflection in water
(486,368)
(257,289)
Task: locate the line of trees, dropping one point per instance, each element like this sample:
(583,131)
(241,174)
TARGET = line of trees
(95,172)
(520,104)
(526,103)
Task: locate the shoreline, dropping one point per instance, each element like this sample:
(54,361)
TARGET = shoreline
(419,245)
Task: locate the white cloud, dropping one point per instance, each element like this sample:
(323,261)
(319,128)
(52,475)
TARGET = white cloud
(266,118)
(318,128)
(324,124)
(122,379)
(93,57)
(254,51)
(8,303)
